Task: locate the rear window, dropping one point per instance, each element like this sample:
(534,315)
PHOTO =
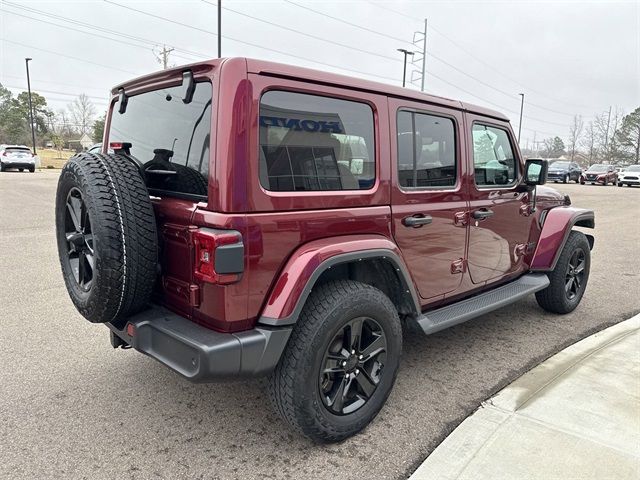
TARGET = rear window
(16,150)
(311,143)
(170,138)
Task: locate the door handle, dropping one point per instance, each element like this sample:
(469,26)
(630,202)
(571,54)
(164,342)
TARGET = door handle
(417,221)
(482,214)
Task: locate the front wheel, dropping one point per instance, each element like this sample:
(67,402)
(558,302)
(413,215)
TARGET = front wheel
(568,280)
(566,179)
(340,363)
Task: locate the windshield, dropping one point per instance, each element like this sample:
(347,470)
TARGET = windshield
(559,165)
(633,168)
(597,168)
(170,138)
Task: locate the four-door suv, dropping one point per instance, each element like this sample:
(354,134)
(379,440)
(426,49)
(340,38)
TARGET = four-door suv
(19,157)
(561,171)
(260,219)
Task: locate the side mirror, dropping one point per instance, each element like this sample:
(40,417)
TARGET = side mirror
(535,171)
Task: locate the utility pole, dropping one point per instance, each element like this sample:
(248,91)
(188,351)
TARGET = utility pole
(520,124)
(606,136)
(163,56)
(33,127)
(219,28)
(404,70)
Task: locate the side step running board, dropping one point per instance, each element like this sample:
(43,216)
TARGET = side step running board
(445,317)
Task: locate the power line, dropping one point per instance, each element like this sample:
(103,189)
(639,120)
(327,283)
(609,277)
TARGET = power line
(355,25)
(58,93)
(249,43)
(68,56)
(92,27)
(492,67)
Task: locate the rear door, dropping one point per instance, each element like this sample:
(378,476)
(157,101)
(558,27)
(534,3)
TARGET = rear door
(172,141)
(499,213)
(429,195)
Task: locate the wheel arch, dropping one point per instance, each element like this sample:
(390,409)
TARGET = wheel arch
(372,260)
(557,225)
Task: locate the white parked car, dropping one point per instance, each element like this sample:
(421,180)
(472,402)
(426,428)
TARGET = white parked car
(630,176)
(18,157)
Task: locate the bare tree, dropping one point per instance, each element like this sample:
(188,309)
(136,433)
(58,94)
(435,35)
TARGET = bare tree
(82,112)
(575,131)
(589,142)
(606,125)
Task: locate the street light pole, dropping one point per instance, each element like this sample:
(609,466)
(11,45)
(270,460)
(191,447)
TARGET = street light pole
(219,28)
(33,130)
(404,70)
(520,124)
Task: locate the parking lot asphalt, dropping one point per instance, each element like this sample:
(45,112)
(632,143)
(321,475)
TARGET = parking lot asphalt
(73,407)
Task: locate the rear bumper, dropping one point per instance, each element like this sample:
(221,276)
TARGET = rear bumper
(200,354)
(18,164)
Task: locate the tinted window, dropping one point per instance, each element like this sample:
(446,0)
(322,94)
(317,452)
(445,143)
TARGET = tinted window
(493,159)
(169,137)
(310,143)
(426,150)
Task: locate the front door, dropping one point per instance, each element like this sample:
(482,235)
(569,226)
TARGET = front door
(498,208)
(428,195)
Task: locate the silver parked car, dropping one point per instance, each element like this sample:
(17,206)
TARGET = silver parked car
(19,157)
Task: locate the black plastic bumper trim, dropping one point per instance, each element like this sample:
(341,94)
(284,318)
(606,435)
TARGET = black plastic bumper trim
(200,354)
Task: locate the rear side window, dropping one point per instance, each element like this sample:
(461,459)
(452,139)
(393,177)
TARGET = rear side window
(426,150)
(312,143)
(493,160)
(170,138)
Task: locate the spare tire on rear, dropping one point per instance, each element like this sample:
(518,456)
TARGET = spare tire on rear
(106,233)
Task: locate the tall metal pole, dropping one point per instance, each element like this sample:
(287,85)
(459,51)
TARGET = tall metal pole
(219,28)
(404,70)
(33,130)
(520,124)
(424,56)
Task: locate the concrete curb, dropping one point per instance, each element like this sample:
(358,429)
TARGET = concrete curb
(576,415)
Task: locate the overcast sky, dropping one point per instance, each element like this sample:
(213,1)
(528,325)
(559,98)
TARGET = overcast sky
(568,57)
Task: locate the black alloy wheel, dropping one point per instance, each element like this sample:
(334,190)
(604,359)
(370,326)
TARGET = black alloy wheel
(352,366)
(79,238)
(574,277)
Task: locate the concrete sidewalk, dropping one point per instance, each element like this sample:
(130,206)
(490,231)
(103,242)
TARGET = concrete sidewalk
(575,416)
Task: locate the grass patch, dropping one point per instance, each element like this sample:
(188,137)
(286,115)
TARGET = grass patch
(52,158)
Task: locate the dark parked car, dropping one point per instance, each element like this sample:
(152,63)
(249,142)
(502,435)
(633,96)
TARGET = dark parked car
(600,173)
(561,171)
(261,219)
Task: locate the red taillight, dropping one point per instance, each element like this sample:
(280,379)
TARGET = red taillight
(206,242)
(116,145)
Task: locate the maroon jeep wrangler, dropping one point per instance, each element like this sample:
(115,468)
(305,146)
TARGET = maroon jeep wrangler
(248,218)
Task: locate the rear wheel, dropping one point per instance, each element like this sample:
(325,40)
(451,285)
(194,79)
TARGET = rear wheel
(341,361)
(106,233)
(32,169)
(568,280)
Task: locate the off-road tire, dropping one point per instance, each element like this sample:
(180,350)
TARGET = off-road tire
(293,386)
(554,298)
(123,226)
